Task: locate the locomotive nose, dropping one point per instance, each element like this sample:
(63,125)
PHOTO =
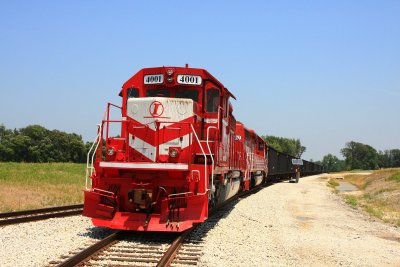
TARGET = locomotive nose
(160,128)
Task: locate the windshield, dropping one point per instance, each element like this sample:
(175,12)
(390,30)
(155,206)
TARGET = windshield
(178,93)
(158,92)
(184,93)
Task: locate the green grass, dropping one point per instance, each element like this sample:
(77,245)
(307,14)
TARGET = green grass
(34,173)
(374,211)
(368,197)
(395,177)
(37,185)
(360,170)
(364,185)
(332,183)
(351,200)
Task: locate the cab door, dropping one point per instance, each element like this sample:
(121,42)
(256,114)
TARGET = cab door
(225,133)
(216,123)
(212,118)
(211,111)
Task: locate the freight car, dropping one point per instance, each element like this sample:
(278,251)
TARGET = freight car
(179,151)
(280,166)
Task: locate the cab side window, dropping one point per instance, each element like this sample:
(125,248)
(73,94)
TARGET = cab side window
(212,100)
(261,146)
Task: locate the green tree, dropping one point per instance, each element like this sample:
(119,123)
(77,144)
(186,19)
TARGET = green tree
(395,157)
(360,156)
(285,145)
(389,158)
(35,143)
(6,150)
(332,163)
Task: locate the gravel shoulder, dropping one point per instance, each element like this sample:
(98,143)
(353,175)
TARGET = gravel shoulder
(302,224)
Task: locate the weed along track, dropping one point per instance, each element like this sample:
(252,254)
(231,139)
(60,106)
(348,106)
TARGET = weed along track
(39,214)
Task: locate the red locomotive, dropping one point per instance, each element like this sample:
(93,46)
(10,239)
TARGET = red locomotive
(179,152)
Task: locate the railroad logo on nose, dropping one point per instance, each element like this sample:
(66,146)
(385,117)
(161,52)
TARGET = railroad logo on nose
(156,109)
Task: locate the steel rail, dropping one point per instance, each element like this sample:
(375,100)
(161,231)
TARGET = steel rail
(171,252)
(90,251)
(39,214)
(29,212)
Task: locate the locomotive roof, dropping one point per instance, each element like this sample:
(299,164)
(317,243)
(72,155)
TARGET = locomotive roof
(194,71)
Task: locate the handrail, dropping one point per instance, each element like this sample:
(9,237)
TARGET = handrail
(179,194)
(104,191)
(209,151)
(107,115)
(98,140)
(205,160)
(96,145)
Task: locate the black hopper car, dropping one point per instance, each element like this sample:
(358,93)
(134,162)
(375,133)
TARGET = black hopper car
(280,166)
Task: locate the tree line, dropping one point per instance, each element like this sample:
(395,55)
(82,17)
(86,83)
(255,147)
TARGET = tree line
(356,155)
(35,143)
(361,156)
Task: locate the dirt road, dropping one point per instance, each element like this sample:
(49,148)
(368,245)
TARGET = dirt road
(301,224)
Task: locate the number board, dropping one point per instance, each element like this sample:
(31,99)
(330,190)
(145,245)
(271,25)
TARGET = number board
(189,79)
(153,79)
(297,161)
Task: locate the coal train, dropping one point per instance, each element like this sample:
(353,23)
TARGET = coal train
(178,152)
(280,166)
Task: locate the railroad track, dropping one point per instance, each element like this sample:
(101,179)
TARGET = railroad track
(39,214)
(141,249)
(124,248)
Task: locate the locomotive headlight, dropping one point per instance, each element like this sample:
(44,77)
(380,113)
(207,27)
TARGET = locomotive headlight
(170,72)
(173,152)
(110,151)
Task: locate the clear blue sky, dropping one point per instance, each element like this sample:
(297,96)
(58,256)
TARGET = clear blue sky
(327,72)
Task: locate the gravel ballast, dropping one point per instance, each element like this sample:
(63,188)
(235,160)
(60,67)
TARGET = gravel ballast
(302,224)
(38,243)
